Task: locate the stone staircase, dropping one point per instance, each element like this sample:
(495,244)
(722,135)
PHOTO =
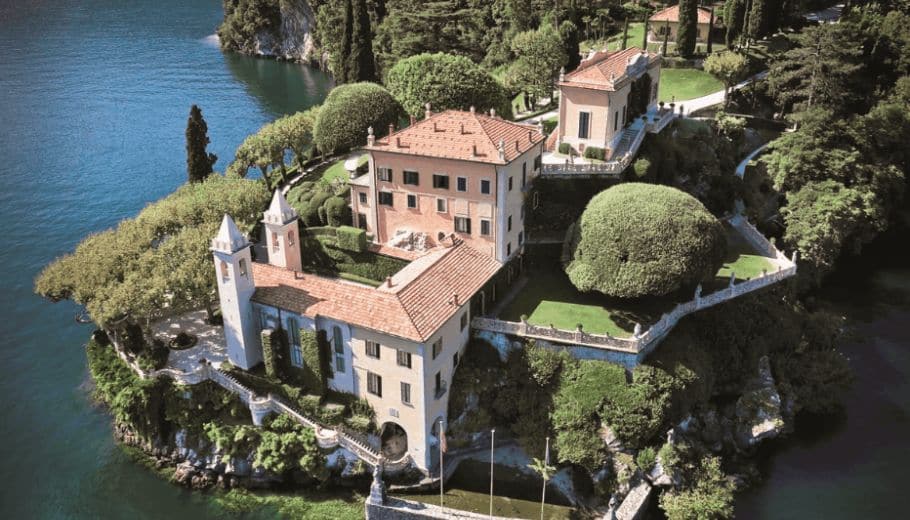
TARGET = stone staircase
(625,142)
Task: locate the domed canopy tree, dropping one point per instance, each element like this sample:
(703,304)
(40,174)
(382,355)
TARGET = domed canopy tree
(348,111)
(638,240)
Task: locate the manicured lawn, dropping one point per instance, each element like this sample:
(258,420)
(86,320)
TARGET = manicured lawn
(338,171)
(683,84)
(742,259)
(549,298)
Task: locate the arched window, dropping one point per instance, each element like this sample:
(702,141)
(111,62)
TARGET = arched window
(275,245)
(291,237)
(225,272)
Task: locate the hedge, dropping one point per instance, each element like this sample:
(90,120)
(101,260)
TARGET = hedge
(272,342)
(565,148)
(352,239)
(593,152)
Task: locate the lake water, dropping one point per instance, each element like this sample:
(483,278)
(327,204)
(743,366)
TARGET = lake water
(94,97)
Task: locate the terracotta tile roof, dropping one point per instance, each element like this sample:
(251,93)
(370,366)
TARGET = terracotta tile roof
(412,310)
(466,136)
(671,14)
(599,71)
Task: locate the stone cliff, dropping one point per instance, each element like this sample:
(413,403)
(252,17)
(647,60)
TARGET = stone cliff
(280,29)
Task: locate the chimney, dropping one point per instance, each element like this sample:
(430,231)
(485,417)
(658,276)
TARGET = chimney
(502,150)
(427,113)
(516,146)
(455,299)
(388,281)
(398,141)
(371,139)
(461,128)
(540,126)
(531,135)
(562,74)
(391,130)
(411,119)
(434,127)
(473,150)
(472,109)
(492,112)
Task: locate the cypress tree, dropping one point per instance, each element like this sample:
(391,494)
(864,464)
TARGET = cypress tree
(686,32)
(710,29)
(758,19)
(625,33)
(663,51)
(644,38)
(733,19)
(347,29)
(361,65)
(198,161)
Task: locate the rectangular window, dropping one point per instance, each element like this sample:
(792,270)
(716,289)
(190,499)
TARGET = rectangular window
(412,201)
(362,220)
(372,349)
(404,359)
(455,360)
(374,384)
(485,187)
(616,121)
(411,178)
(509,223)
(338,343)
(437,348)
(339,363)
(463,225)
(537,162)
(509,249)
(405,393)
(441,181)
(363,197)
(242,266)
(464,320)
(440,385)
(442,205)
(521,237)
(294,340)
(385,198)
(584,122)
(484,227)
(385,174)
(461,183)
(524,174)
(510,183)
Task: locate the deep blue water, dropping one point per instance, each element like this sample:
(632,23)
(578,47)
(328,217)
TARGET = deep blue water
(94,97)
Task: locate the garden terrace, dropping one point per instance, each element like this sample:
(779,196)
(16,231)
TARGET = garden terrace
(321,254)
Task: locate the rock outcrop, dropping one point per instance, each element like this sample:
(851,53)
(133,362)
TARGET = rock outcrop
(294,41)
(758,410)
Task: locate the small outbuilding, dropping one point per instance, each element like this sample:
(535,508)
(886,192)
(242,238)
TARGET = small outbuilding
(667,21)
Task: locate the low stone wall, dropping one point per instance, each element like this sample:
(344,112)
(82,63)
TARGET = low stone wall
(630,351)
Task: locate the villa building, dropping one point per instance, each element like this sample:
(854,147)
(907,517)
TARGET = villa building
(605,94)
(452,172)
(666,22)
(396,345)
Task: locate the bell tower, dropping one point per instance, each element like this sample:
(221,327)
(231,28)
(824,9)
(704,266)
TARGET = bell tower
(231,251)
(282,233)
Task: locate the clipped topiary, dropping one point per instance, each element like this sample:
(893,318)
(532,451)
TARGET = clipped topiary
(351,239)
(348,111)
(638,240)
(446,81)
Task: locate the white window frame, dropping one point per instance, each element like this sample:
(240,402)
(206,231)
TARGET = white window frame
(384,174)
(406,393)
(372,349)
(445,205)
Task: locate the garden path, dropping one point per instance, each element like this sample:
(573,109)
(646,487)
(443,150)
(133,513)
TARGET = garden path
(210,344)
(716,98)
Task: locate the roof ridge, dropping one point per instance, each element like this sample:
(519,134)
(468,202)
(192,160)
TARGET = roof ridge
(445,253)
(484,130)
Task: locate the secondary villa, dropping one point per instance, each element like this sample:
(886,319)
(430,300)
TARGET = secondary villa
(665,23)
(605,107)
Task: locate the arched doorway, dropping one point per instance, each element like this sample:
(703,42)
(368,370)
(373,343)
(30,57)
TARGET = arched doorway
(394,441)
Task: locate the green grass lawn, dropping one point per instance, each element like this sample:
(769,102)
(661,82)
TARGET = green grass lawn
(549,298)
(683,84)
(742,259)
(337,170)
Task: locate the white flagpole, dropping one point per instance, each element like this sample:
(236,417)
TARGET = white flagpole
(492,442)
(546,463)
(442,474)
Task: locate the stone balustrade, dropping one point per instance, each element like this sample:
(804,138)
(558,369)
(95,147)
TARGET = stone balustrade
(642,343)
(261,406)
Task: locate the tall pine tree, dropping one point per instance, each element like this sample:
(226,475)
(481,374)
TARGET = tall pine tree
(198,161)
(687,30)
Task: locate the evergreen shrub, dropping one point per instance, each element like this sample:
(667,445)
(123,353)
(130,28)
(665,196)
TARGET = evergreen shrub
(593,152)
(351,239)
(565,148)
(348,111)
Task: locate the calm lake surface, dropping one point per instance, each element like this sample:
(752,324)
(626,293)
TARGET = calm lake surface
(94,97)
